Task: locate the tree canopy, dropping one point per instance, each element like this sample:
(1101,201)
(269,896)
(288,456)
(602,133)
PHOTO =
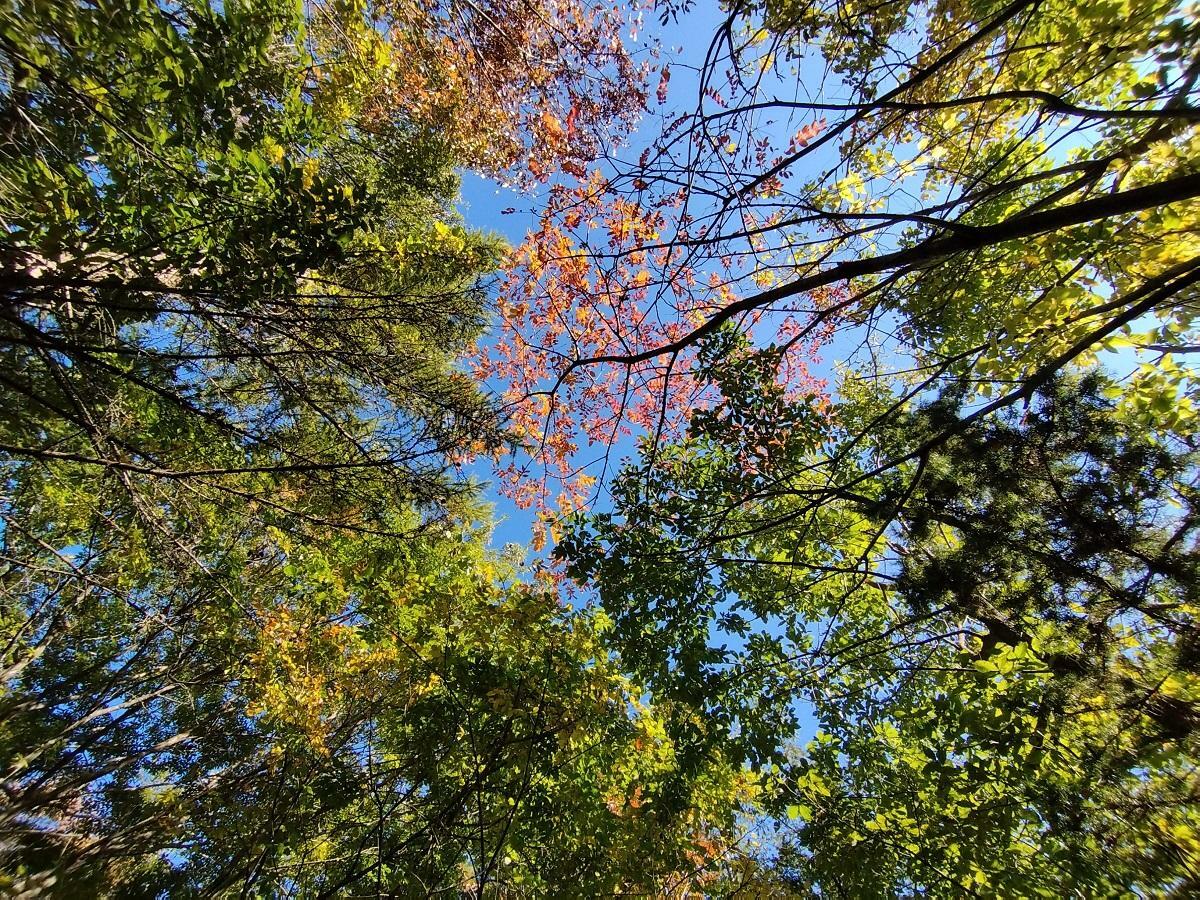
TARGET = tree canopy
(845,372)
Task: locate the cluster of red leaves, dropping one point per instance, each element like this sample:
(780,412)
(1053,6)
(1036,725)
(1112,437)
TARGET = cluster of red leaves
(563,300)
(605,277)
(527,91)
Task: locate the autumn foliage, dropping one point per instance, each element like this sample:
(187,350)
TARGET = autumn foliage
(518,89)
(591,313)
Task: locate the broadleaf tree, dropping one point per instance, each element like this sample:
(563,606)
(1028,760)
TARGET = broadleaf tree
(253,640)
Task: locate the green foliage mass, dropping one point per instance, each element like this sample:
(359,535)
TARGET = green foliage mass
(251,641)
(190,240)
(990,623)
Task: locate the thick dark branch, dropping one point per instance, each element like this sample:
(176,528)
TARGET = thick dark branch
(937,248)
